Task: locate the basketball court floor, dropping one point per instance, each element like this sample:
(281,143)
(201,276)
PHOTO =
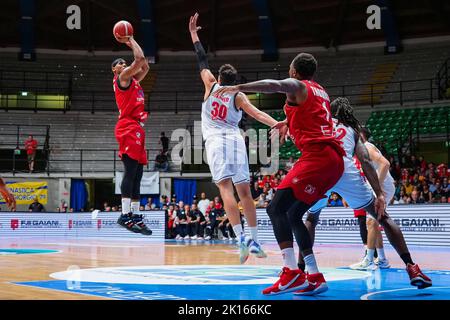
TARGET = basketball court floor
(56,268)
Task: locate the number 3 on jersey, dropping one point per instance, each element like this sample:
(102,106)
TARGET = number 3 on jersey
(219,111)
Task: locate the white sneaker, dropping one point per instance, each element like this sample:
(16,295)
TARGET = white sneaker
(207,238)
(187,237)
(256,249)
(178,237)
(194,238)
(365,264)
(243,248)
(225,239)
(230,239)
(200,238)
(382,263)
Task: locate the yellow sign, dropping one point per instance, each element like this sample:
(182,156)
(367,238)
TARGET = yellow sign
(25,192)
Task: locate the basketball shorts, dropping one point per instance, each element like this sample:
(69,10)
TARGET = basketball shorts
(131,139)
(227,158)
(353,188)
(316,172)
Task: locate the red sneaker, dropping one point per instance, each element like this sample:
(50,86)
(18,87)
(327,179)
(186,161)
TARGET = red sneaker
(417,277)
(290,280)
(317,284)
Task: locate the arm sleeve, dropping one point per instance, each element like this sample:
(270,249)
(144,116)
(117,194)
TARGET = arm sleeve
(201,56)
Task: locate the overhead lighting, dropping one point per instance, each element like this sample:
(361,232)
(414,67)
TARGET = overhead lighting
(24,93)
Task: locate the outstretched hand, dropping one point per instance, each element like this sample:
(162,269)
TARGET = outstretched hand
(193,28)
(281,130)
(380,207)
(226,90)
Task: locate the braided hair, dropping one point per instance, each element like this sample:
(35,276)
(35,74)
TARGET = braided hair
(343,112)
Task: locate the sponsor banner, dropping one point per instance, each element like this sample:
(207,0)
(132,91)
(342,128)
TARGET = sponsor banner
(25,192)
(21,224)
(426,225)
(149,182)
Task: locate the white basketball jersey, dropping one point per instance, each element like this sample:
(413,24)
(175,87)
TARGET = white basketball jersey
(220,115)
(388,181)
(347,137)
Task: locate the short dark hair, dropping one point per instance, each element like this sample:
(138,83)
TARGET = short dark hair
(305,64)
(366,132)
(115,62)
(228,74)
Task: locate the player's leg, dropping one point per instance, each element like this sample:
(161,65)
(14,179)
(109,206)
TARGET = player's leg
(243,190)
(291,278)
(231,208)
(396,239)
(382,262)
(127,186)
(311,222)
(135,201)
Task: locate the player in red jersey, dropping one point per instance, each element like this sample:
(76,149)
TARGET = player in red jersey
(318,169)
(7,196)
(130,134)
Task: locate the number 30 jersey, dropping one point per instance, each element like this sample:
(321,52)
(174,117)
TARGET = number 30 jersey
(220,115)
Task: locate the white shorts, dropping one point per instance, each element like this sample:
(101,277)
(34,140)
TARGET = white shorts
(227,158)
(353,188)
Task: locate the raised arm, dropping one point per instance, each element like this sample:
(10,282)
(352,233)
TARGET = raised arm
(206,75)
(293,88)
(138,69)
(242,102)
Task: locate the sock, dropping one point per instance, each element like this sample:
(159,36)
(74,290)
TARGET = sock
(254,233)
(370,253)
(289,258)
(406,257)
(135,207)
(238,231)
(126,205)
(301,266)
(311,264)
(381,254)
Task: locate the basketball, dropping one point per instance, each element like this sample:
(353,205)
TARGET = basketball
(122,31)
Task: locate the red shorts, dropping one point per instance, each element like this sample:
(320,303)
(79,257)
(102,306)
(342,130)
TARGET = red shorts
(131,138)
(359,213)
(317,171)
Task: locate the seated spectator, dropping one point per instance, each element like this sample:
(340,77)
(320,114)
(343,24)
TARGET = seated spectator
(256,190)
(415,198)
(141,208)
(114,209)
(289,164)
(148,205)
(335,201)
(36,206)
(427,195)
(161,162)
(199,230)
(171,214)
(218,203)
(443,199)
(203,203)
(182,224)
(408,187)
(213,218)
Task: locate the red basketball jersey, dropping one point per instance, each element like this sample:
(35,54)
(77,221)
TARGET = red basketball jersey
(310,122)
(130,101)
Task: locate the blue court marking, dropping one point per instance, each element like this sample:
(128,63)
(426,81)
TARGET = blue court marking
(9,252)
(390,284)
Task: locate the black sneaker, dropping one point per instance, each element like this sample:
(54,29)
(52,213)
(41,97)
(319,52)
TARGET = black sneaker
(138,220)
(127,221)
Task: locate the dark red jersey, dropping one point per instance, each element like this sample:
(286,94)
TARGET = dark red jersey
(311,122)
(130,102)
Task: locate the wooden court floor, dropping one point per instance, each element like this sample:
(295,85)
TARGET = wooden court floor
(95,253)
